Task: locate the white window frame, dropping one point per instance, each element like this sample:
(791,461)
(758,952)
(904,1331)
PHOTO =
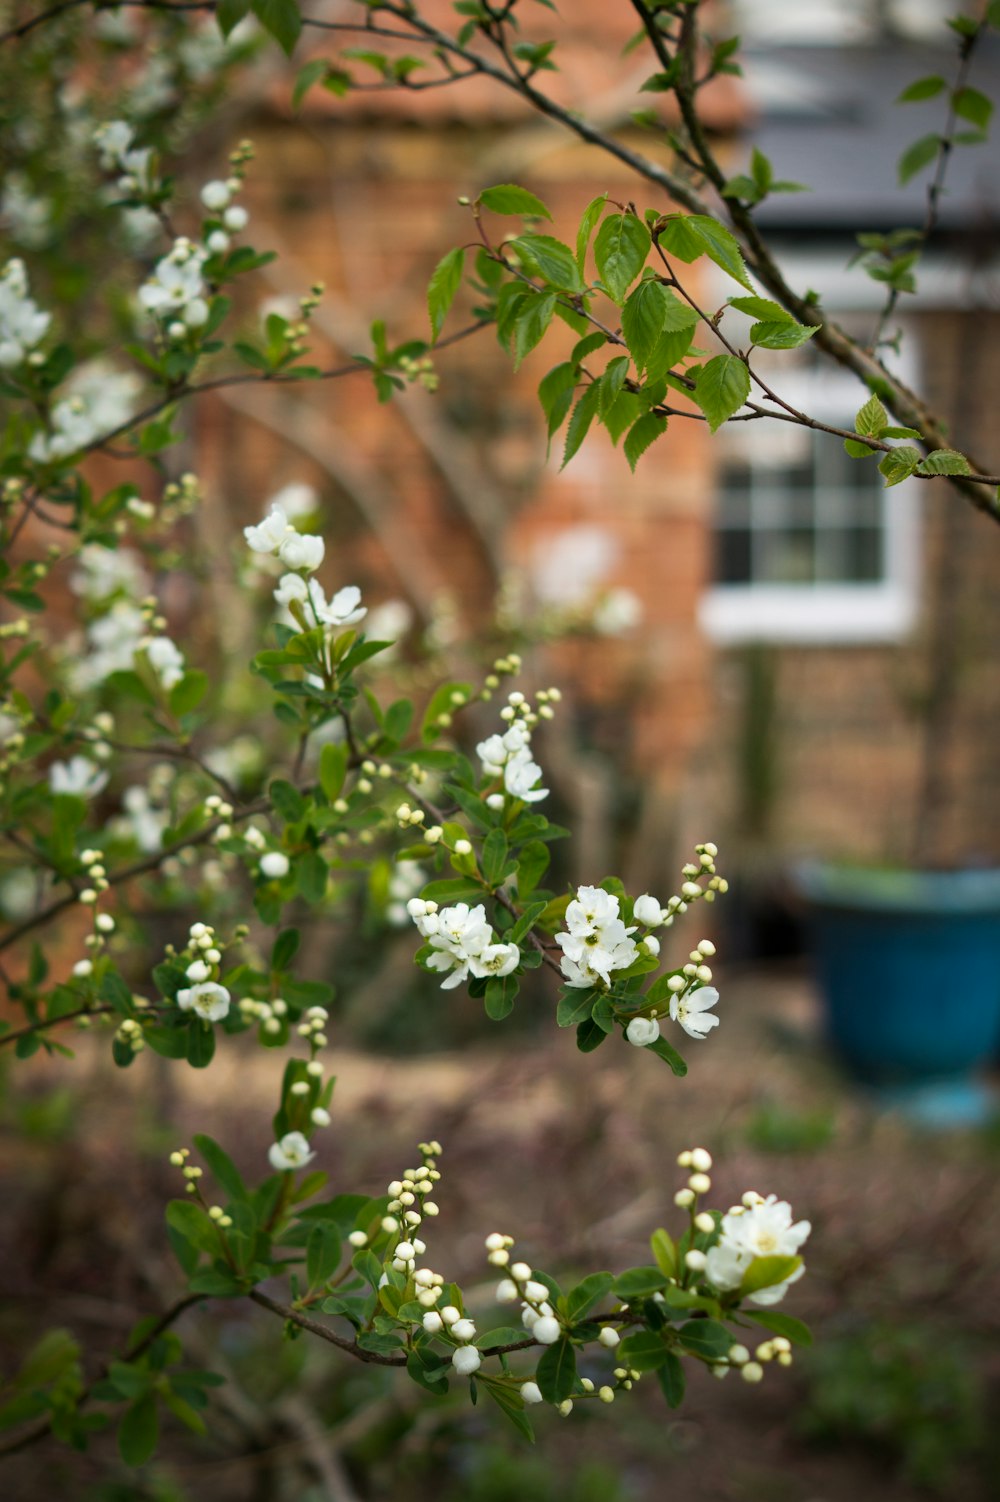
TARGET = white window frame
(830,614)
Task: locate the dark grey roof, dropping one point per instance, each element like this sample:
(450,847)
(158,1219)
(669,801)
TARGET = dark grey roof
(827,118)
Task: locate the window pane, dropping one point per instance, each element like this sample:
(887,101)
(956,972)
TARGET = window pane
(785,557)
(732,556)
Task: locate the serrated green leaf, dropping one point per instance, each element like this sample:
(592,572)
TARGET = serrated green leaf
(229,14)
(642,319)
(762,308)
(579,424)
(555,392)
(721,247)
(944,462)
(611,382)
(781,335)
(445,281)
(508,198)
(531,323)
(551,260)
(641,435)
(591,214)
(899,464)
(620,251)
(872,418)
(723,386)
(918,156)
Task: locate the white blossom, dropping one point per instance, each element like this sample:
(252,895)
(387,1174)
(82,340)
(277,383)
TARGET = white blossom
(764,1229)
(692,1009)
(648,911)
(208,1000)
(291,1152)
(78,777)
(274,864)
(531,1392)
(146,823)
(597,940)
(105,571)
(301,550)
(176,289)
(466,1360)
(642,1031)
(22,323)
(165,659)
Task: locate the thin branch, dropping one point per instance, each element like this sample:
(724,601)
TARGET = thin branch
(41,1429)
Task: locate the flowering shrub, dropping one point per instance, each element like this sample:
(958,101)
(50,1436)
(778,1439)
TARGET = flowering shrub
(351,774)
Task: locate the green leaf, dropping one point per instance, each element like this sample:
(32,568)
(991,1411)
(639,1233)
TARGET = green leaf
(499,998)
(579,424)
(494,856)
(287,801)
(581,1299)
(781,335)
(311,875)
(507,198)
(612,381)
(763,308)
(323,1251)
(444,283)
(503,1335)
(638,1282)
(200,1044)
(859,450)
(333,769)
(556,1372)
(531,324)
(706,1337)
(662,1246)
(671,1379)
(669,1055)
(765,1272)
(550,259)
(511,1404)
(641,435)
(872,419)
(899,464)
(428,1370)
(972,105)
(229,14)
(918,156)
(531,867)
(139,1431)
(781,1324)
(723,386)
(589,1035)
(645,1350)
(620,250)
(591,214)
(643,317)
(722,248)
(282,19)
(307,77)
(555,392)
(574,1007)
(188,694)
(922,88)
(944,462)
(223,1168)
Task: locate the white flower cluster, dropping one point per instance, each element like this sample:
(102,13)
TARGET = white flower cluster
(136,165)
(596,941)
(175,293)
(113,641)
(277,535)
(205,997)
(78,777)
(290,1152)
(145,822)
(227,217)
(508,755)
(756,1228)
(105,571)
(537,1315)
(463,942)
(344,609)
(405,880)
(101,400)
(22,323)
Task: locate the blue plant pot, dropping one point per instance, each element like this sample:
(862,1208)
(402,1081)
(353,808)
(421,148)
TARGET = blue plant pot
(909,969)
